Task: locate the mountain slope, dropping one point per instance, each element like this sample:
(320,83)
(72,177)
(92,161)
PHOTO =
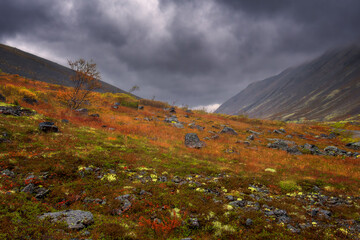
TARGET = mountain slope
(326,88)
(15,61)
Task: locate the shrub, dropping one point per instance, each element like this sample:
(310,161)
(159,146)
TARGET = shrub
(289,186)
(153,103)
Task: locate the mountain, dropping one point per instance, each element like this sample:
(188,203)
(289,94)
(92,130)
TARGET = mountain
(326,88)
(15,61)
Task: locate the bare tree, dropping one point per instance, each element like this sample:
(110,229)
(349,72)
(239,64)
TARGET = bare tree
(134,88)
(86,79)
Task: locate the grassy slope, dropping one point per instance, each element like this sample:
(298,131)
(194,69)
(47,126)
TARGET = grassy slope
(140,151)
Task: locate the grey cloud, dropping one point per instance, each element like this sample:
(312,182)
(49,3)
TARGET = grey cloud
(196,52)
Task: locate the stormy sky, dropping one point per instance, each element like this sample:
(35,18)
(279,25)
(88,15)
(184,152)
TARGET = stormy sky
(190,52)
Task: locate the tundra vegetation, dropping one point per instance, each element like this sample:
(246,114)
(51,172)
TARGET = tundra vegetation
(119,171)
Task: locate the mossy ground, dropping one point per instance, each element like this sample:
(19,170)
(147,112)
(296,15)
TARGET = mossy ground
(127,155)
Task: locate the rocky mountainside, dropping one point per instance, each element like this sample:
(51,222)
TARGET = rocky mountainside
(15,61)
(326,88)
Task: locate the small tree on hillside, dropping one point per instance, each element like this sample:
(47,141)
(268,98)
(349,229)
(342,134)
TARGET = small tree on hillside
(86,79)
(134,88)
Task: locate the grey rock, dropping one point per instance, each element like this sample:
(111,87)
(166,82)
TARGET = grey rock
(238,203)
(141,107)
(312,149)
(192,141)
(195,126)
(30,188)
(48,127)
(125,201)
(354,145)
(95,115)
(94,200)
(172,110)
(177,125)
(293,229)
(75,219)
(16,111)
(230,197)
(171,119)
(249,222)
(65,121)
(251,137)
(228,130)
(253,132)
(278,132)
(8,173)
(194,223)
(82,110)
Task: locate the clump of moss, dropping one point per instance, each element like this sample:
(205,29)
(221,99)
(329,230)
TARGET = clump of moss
(289,186)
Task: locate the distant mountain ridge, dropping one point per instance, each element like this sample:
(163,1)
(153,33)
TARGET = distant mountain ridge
(326,88)
(15,61)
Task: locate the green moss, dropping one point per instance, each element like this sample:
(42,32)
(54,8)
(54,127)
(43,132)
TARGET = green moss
(289,186)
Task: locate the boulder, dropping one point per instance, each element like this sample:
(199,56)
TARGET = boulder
(334,151)
(16,111)
(177,125)
(82,110)
(48,127)
(75,219)
(171,119)
(354,145)
(192,141)
(141,107)
(95,115)
(228,130)
(195,126)
(312,149)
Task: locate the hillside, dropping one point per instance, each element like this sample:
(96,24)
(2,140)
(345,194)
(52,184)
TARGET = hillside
(326,88)
(15,61)
(131,170)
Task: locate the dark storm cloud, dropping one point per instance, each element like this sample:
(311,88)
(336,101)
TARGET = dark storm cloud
(195,52)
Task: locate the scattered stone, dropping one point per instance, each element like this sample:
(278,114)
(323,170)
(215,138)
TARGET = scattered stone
(238,203)
(278,132)
(285,145)
(94,200)
(293,229)
(8,173)
(215,136)
(253,132)
(228,130)
(312,149)
(171,119)
(48,127)
(188,111)
(16,111)
(40,192)
(141,107)
(334,151)
(82,110)
(2,98)
(249,222)
(65,121)
(125,201)
(192,141)
(30,100)
(194,223)
(75,219)
(95,115)
(354,145)
(251,137)
(178,125)
(194,126)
